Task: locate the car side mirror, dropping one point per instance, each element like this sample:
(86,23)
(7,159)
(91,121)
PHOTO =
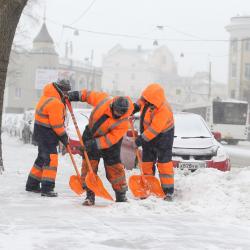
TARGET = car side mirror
(130,134)
(217,135)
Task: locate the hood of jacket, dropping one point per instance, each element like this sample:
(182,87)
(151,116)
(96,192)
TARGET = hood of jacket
(50,91)
(154,93)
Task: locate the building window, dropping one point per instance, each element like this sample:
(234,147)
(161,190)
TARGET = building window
(233,93)
(234,45)
(247,71)
(247,45)
(18,92)
(233,70)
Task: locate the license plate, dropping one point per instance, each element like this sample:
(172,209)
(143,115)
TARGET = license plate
(191,165)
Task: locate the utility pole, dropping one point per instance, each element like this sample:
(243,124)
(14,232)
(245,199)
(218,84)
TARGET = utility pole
(209,80)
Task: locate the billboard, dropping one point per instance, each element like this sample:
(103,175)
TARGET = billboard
(44,76)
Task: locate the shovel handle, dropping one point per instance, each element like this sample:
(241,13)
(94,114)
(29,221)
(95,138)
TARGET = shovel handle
(73,161)
(136,150)
(79,134)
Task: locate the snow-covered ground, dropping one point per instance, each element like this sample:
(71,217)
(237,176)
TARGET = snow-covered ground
(211,211)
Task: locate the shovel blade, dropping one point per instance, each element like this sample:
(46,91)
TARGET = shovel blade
(76,185)
(94,183)
(138,187)
(154,186)
(143,186)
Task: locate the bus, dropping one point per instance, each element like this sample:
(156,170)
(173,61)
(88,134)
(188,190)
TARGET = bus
(229,117)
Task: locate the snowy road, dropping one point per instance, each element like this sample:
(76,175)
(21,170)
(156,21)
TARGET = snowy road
(211,211)
(239,154)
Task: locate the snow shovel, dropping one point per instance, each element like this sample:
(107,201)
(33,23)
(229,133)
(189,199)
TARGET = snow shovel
(92,180)
(75,181)
(143,185)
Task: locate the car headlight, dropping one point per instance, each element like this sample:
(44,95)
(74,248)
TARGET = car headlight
(220,155)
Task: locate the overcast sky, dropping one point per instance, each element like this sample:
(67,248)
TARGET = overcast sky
(184,20)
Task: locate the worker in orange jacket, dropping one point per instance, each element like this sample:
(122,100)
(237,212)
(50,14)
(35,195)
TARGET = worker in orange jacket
(156,135)
(103,136)
(48,131)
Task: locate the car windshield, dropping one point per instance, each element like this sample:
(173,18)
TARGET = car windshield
(81,116)
(190,126)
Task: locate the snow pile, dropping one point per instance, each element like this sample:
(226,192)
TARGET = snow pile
(216,193)
(211,211)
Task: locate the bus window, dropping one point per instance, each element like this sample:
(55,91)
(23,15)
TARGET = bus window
(230,113)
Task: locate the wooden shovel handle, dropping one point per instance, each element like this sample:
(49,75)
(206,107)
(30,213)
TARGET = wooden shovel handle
(79,134)
(73,161)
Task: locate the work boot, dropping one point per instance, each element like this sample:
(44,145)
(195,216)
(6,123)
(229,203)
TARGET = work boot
(120,196)
(33,189)
(50,193)
(90,198)
(169,197)
(32,185)
(169,194)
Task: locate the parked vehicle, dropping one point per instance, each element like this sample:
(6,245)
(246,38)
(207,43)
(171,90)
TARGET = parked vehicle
(28,126)
(194,145)
(82,116)
(12,124)
(229,117)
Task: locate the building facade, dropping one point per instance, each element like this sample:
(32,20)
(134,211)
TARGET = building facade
(128,71)
(195,89)
(29,71)
(239,58)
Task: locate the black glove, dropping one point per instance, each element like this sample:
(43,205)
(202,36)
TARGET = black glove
(136,108)
(91,145)
(81,150)
(64,140)
(139,141)
(87,134)
(74,96)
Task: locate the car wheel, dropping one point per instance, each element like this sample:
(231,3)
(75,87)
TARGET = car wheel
(232,142)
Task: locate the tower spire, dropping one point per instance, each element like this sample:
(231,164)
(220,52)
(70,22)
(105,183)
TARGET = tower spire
(44,13)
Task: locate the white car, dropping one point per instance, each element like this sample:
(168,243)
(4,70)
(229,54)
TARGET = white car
(194,145)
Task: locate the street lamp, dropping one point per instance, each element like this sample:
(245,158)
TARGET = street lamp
(76,31)
(155,43)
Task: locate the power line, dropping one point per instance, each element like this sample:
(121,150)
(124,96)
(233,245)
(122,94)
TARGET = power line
(161,27)
(139,37)
(84,12)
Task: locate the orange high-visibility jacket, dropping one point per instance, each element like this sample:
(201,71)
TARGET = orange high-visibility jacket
(50,110)
(111,130)
(157,120)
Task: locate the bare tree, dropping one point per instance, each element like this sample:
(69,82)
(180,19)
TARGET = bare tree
(10,13)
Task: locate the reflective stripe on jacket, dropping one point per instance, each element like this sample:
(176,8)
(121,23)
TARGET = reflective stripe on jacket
(158,118)
(111,130)
(50,110)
